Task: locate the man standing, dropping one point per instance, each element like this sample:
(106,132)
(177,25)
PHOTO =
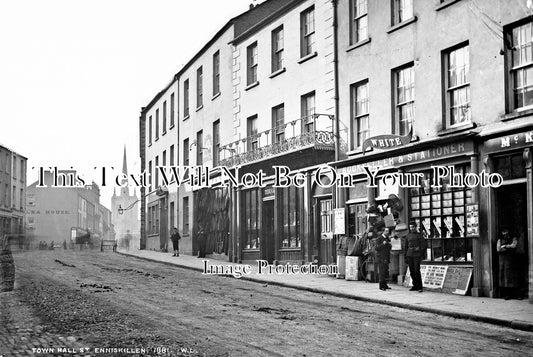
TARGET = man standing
(175,238)
(383,248)
(414,250)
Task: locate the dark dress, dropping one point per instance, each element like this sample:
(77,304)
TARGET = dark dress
(507,263)
(202,242)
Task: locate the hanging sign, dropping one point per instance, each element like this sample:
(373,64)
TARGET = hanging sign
(338,215)
(387,142)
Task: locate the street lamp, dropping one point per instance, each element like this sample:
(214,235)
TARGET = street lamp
(121,210)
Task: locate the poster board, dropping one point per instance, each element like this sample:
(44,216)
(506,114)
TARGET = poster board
(338,217)
(472,220)
(443,278)
(457,280)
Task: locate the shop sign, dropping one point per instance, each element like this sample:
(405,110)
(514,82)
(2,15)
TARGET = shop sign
(338,216)
(433,153)
(387,142)
(510,142)
(472,220)
(269,193)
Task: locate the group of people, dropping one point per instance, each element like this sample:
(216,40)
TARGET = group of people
(414,250)
(201,238)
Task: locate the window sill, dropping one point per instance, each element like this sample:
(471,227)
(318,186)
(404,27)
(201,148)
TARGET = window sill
(358,44)
(290,249)
(402,24)
(199,108)
(186,117)
(307,57)
(457,129)
(250,86)
(517,114)
(251,250)
(445,4)
(277,73)
(357,151)
(216,96)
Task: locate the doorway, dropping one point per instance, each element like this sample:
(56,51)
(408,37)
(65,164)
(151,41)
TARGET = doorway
(512,214)
(268,235)
(324,231)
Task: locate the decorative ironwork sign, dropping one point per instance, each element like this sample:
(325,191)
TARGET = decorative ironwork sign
(387,142)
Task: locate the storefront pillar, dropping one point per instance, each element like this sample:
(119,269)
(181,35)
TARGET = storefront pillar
(528,159)
(477,256)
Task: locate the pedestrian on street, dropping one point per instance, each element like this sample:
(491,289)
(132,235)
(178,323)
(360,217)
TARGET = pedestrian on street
(175,238)
(509,279)
(127,239)
(414,251)
(383,248)
(202,242)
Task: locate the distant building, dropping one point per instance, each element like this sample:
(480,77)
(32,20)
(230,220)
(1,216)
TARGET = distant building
(53,211)
(12,191)
(127,220)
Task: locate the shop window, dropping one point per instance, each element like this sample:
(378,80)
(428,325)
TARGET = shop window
(510,166)
(290,217)
(440,214)
(251,219)
(519,59)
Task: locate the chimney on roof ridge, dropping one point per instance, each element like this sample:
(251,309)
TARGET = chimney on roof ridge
(252,6)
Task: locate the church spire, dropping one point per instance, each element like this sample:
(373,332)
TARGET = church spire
(125,191)
(125,163)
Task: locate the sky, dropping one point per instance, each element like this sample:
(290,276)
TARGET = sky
(74,74)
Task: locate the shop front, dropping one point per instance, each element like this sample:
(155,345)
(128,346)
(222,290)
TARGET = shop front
(421,183)
(510,207)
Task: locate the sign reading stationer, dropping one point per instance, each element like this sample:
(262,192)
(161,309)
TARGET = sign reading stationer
(433,153)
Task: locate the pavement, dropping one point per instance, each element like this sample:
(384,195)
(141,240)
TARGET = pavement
(517,314)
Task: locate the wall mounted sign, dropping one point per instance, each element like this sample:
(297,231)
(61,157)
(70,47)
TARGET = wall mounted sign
(514,141)
(387,142)
(338,215)
(433,153)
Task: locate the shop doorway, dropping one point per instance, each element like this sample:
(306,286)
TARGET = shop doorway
(324,231)
(512,214)
(267,235)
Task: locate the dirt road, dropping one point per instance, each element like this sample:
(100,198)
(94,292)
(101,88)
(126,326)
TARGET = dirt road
(96,301)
